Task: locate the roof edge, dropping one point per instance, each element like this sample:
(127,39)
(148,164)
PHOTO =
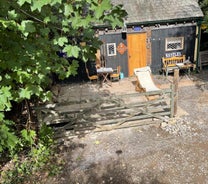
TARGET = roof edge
(196,19)
(150,23)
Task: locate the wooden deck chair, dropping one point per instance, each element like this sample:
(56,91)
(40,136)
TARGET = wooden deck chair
(144,80)
(116,74)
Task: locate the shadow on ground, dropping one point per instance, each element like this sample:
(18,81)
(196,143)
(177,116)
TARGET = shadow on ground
(113,173)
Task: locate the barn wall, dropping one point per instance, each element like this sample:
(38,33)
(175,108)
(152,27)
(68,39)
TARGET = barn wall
(155,46)
(158,37)
(119,58)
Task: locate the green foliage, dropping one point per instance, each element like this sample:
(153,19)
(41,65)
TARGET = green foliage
(28,137)
(8,140)
(37,158)
(32,31)
(5,98)
(46,135)
(204,7)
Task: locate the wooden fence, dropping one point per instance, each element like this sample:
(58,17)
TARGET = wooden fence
(109,112)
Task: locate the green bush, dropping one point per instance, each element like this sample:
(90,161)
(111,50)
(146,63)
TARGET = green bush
(36,158)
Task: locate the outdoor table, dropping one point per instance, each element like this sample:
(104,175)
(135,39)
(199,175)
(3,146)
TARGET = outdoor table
(104,73)
(187,67)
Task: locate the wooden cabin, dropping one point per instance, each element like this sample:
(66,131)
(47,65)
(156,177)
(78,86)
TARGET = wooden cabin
(153,29)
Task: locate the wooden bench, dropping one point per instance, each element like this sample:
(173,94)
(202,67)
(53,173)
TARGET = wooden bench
(169,64)
(203,59)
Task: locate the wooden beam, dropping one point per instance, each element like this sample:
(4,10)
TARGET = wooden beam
(175,83)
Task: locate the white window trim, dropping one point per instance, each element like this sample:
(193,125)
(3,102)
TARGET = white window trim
(177,40)
(114,46)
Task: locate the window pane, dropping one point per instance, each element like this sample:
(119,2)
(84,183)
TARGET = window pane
(174,43)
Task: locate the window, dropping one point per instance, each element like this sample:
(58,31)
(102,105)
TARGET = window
(111,49)
(174,43)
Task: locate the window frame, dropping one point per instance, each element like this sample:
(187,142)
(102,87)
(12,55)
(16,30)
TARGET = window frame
(177,40)
(114,49)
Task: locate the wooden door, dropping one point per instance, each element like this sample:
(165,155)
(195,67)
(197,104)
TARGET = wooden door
(137,54)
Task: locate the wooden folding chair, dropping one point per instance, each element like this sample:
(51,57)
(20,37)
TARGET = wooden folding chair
(116,74)
(91,77)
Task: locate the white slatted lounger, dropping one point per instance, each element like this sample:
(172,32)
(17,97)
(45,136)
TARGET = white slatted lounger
(144,78)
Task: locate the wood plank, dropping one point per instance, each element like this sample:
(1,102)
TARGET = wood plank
(129,125)
(133,117)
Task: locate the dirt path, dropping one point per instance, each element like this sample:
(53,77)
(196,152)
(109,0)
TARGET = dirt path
(176,152)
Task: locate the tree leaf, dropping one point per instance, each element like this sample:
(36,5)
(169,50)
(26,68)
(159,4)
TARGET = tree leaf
(55,2)
(104,5)
(21,2)
(25,93)
(7,138)
(27,27)
(12,14)
(38,4)
(62,41)
(67,9)
(28,136)
(5,97)
(1,116)
(72,51)
(37,90)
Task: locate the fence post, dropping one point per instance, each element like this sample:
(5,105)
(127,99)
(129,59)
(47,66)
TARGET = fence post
(175,83)
(172,94)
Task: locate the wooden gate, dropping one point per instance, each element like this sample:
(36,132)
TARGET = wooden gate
(109,112)
(137,54)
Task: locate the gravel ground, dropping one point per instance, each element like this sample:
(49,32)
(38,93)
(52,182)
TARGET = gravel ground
(173,153)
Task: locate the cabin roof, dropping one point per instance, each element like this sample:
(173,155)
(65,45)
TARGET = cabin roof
(144,11)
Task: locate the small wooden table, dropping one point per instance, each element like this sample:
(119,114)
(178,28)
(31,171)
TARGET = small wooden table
(104,73)
(187,67)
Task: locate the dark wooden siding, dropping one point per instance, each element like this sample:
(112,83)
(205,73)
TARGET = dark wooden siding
(118,59)
(158,43)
